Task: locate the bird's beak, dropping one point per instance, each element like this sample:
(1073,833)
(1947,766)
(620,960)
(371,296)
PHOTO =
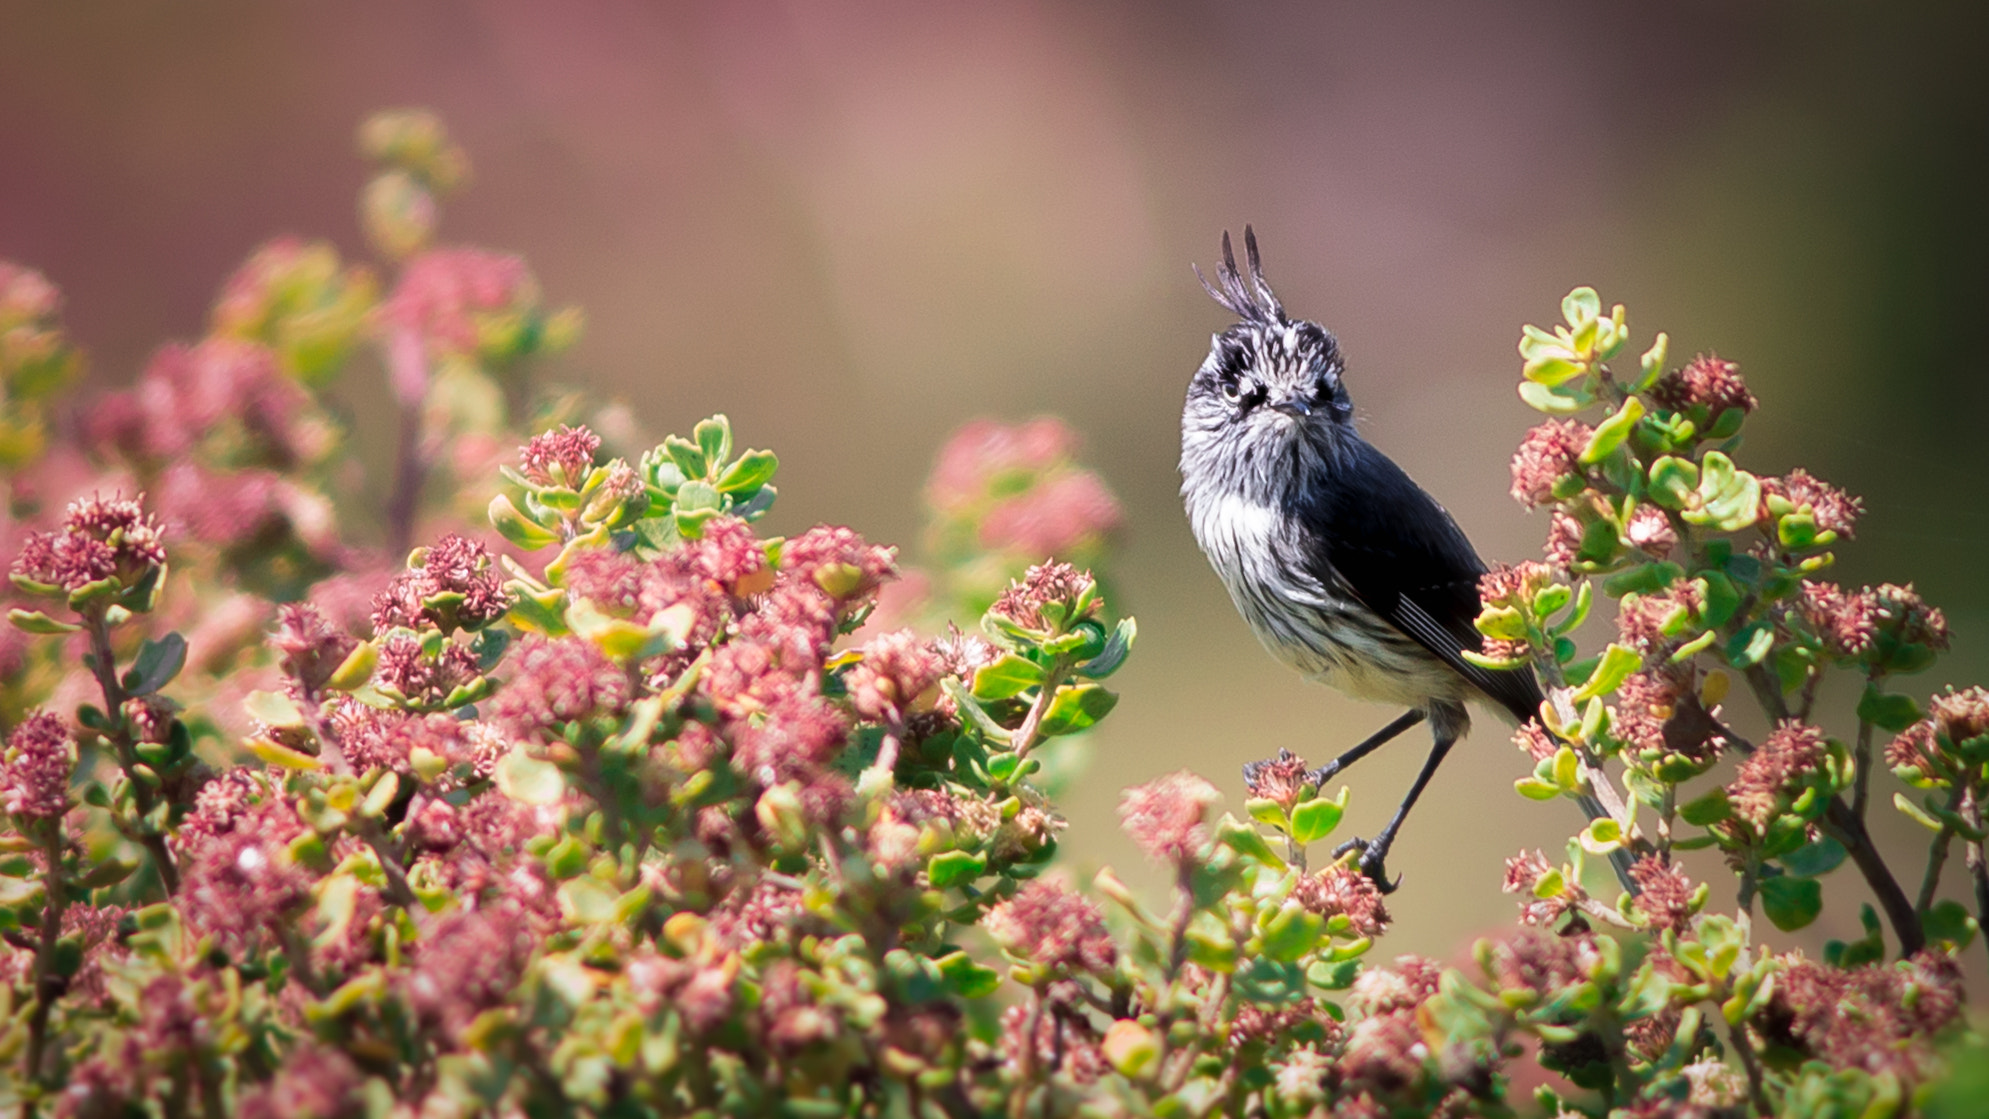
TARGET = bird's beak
(1292,406)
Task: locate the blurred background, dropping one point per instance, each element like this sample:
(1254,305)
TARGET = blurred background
(855,229)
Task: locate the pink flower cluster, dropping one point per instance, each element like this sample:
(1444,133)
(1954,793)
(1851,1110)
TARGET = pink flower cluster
(100,537)
(34,774)
(1019,485)
(188,393)
(444,293)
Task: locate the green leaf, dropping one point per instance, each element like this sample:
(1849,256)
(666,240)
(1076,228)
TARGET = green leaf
(1916,813)
(952,867)
(1751,645)
(714,439)
(528,780)
(1618,662)
(1887,710)
(1113,654)
(1315,819)
(1710,808)
(1612,432)
(516,527)
(1009,676)
(967,979)
(273,709)
(34,621)
(1673,481)
(158,662)
(1645,578)
(1722,598)
(753,470)
(1581,306)
(1950,921)
(686,455)
(277,754)
(1792,903)
(1532,788)
(1076,708)
(1813,860)
(1651,363)
(1290,933)
(1556,400)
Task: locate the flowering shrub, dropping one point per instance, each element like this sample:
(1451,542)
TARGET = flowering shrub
(618,807)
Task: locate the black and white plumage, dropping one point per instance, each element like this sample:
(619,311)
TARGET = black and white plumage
(1345,568)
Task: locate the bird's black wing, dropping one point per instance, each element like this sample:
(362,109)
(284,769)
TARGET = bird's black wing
(1380,537)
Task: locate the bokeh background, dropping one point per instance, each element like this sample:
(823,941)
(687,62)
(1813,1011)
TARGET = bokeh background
(854,227)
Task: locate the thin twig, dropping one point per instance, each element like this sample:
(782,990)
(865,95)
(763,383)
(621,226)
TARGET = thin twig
(48,985)
(103,664)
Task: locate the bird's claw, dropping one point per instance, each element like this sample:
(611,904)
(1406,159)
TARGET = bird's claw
(1318,777)
(1373,857)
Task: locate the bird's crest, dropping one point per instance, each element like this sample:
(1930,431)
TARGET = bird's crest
(1249,300)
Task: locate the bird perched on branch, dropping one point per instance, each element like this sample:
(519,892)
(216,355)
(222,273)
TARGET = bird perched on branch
(1345,569)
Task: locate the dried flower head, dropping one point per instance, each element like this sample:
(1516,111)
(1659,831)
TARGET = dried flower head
(1280,779)
(1048,924)
(406,669)
(560,458)
(1514,585)
(1564,540)
(1042,585)
(1168,816)
(1878,1018)
(1342,891)
(1548,454)
(1706,382)
(1791,753)
(34,776)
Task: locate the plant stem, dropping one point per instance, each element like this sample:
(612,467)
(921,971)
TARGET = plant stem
(1027,734)
(48,985)
(1757,1092)
(1937,857)
(103,664)
(1849,830)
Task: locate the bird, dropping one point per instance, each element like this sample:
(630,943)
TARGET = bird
(1345,569)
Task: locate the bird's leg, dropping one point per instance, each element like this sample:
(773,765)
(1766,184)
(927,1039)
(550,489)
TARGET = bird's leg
(1375,741)
(1373,853)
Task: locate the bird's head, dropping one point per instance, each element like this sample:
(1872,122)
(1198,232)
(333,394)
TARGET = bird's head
(1270,387)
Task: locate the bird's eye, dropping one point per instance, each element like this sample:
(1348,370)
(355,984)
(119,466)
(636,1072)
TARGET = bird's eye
(1235,390)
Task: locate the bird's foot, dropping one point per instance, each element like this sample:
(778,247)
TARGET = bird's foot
(1372,861)
(1318,777)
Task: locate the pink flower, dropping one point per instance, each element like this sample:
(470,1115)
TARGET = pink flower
(1548,454)
(1665,899)
(983,453)
(467,962)
(1280,779)
(1047,924)
(100,537)
(443,293)
(310,646)
(1053,518)
(895,670)
(1342,891)
(838,562)
(452,584)
(34,775)
(1792,752)
(1168,816)
(1042,585)
(1707,382)
(560,458)
(558,680)
(1832,509)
